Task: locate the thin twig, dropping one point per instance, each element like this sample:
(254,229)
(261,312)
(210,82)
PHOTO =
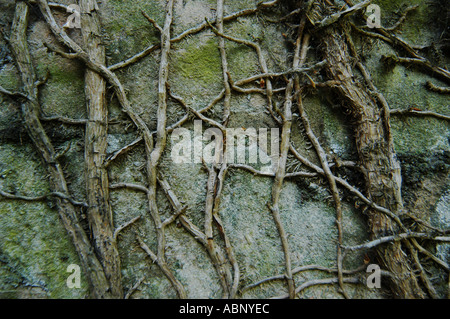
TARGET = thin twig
(123,226)
(317,282)
(402,18)
(302,269)
(173,217)
(134,288)
(415,112)
(152,21)
(398,237)
(421,62)
(135,187)
(438,89)
(340,15)
(43,197)
(14,94)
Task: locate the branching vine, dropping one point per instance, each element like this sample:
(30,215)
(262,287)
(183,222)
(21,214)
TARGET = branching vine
(397,246)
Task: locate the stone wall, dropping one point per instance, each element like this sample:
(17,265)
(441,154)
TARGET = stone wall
(34,247)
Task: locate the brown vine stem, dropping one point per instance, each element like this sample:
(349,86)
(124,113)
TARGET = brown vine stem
(420,62)
(381,169)
(100,213)
(388,136)
(223,55)
(281,169)
(438,261)
(219,179)
(398,237)
(163,266)
(177,206)
(13,94)
(443,90)
(43,197)
(324,162)
(419,113)
(302,269)
(217,256)
(123,226)
(153,22)
(256,172)
(98,281)
(317,282)
(402,19)
(154,153)
(134,288)
(64,120)
(334,18)
(267,75)
(276,189)
(380,97)
(212,247)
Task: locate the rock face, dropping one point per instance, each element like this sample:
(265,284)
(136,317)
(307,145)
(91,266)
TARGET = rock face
(35,249)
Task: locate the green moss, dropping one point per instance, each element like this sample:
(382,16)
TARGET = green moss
(199,62)
(420,23)
(126,30)
(33,243)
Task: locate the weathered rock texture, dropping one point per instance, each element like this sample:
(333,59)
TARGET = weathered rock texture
(96,139)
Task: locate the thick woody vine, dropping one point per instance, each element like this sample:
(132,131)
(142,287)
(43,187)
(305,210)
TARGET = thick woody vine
(320,23)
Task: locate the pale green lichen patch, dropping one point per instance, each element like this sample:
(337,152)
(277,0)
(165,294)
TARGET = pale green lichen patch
(196,68)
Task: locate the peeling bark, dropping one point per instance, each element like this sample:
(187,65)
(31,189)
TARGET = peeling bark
(30,110)
(380,165)
(97,184)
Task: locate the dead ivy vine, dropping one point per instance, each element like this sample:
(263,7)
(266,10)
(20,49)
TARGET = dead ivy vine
(397,246)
